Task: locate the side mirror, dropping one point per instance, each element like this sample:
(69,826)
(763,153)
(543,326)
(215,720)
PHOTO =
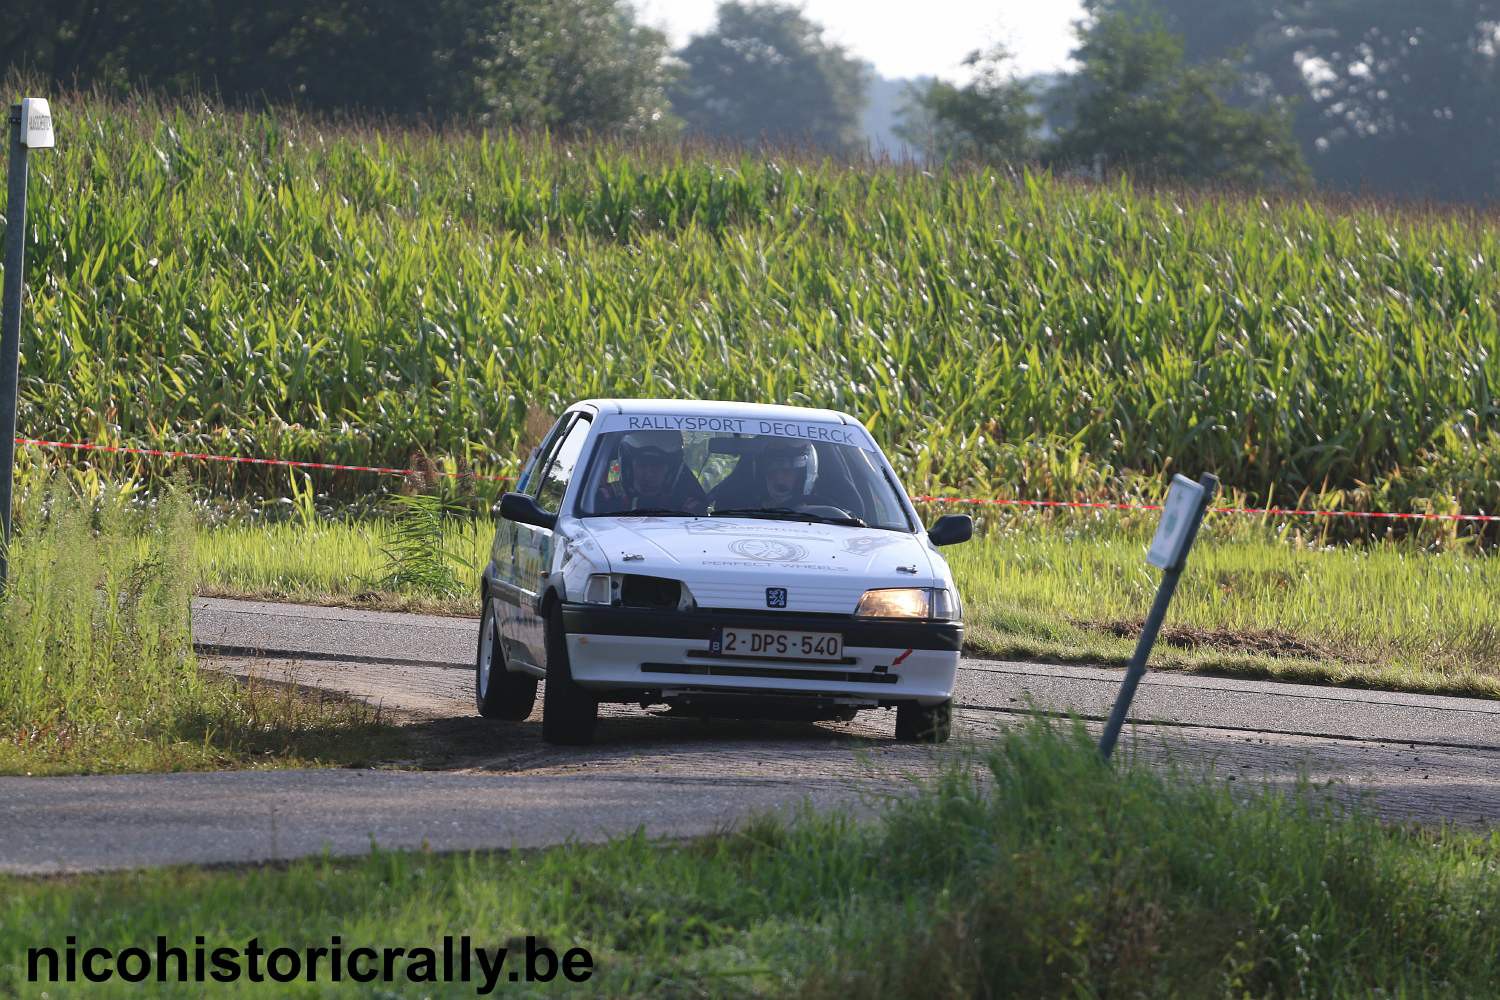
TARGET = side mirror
(523,509)
(951,529)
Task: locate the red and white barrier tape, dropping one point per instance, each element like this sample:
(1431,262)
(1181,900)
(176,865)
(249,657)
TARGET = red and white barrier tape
(974,501)
(1252,511)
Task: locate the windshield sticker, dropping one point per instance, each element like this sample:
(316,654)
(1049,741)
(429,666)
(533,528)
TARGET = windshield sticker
(802,430)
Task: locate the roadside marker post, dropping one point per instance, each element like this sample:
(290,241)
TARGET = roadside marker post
(30,128)
(1181,515)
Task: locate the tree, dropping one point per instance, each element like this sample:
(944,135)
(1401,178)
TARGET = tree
(1386,95)
(1403,98)
(566,63)
(1137,105)
(765,72)
(989,118)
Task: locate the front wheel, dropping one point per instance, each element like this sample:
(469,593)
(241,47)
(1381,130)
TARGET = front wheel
(498,693)
(924,723)
(569,712)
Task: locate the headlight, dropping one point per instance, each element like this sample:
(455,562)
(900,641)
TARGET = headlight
(599,589)
(907,602)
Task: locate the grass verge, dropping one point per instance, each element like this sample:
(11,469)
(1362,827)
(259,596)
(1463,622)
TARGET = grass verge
(1054,876)
(1255,602)
(97,671)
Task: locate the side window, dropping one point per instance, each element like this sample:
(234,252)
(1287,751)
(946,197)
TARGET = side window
(531,479)
(527,469)
(560,469)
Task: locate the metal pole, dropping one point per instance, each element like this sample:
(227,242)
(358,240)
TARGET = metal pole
(1137,668)
(10,328)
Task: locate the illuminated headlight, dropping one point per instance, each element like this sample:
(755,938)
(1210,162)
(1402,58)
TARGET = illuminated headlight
(599,589)
(907,602)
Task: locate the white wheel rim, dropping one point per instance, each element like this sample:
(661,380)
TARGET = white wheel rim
(486,651)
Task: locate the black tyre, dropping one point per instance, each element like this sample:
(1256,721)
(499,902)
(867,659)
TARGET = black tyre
(569,712)
(924,723)
(498,693)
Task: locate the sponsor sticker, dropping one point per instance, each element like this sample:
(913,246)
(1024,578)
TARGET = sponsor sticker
(802,430)
(768,549)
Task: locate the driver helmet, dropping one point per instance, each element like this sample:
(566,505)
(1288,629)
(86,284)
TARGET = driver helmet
(803,459)
(664,446)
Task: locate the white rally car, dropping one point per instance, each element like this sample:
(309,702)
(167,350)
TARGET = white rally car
(722,559)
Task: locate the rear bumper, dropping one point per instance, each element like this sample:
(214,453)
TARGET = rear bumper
(666,654)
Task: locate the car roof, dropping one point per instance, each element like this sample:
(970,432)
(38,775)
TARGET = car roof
(715,407)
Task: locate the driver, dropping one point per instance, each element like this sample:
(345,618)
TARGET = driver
(788,470)
(652,475)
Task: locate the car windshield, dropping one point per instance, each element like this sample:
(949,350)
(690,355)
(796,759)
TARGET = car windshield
(667,472)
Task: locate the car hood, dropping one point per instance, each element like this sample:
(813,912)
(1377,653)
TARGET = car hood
(729,562)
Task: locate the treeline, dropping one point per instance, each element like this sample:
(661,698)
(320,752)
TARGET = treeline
(1387,97)
(573,64)
(1382,96)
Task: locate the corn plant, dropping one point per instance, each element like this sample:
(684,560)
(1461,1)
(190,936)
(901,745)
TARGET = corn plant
(416,550)
(259,285)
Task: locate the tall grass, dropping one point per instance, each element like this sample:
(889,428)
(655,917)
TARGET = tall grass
(1256,600)
(255,284)
(97,669)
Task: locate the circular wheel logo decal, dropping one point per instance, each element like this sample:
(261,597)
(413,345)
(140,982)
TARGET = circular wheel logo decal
(768,550)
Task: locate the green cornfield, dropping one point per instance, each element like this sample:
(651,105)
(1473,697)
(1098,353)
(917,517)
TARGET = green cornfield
(256,284)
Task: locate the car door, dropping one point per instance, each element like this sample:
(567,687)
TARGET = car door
(534,545)
(505,589)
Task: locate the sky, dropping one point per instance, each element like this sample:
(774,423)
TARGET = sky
(906,38)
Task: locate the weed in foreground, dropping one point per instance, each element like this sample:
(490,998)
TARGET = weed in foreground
(97,667)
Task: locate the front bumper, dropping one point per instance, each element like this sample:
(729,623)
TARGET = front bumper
(665,655)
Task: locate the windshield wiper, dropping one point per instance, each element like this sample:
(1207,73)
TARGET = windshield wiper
(644,512)
(788,514)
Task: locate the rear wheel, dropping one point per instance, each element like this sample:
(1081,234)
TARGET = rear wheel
(498,693)
(569,712)
(924,723)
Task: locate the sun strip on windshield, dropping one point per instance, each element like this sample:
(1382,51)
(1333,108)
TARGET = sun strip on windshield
(800,430)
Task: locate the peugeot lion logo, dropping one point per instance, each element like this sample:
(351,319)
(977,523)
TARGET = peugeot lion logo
(775,597)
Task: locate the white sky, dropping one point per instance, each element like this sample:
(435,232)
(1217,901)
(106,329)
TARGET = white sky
(905,38)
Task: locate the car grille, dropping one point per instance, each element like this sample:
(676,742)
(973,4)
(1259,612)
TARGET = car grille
(777,673)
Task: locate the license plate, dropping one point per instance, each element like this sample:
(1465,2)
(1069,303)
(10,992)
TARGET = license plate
(779,645)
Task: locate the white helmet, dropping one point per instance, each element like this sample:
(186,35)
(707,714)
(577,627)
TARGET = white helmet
(800,455)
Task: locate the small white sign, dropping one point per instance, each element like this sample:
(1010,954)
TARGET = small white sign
(36,123)
(1169,546)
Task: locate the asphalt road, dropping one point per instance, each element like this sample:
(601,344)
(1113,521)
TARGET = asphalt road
(1407,757)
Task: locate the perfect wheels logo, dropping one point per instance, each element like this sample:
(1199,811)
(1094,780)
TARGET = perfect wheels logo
(768,550)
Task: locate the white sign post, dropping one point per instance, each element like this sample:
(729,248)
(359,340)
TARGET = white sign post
(30,128)
(1178,523)
(1181,515)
